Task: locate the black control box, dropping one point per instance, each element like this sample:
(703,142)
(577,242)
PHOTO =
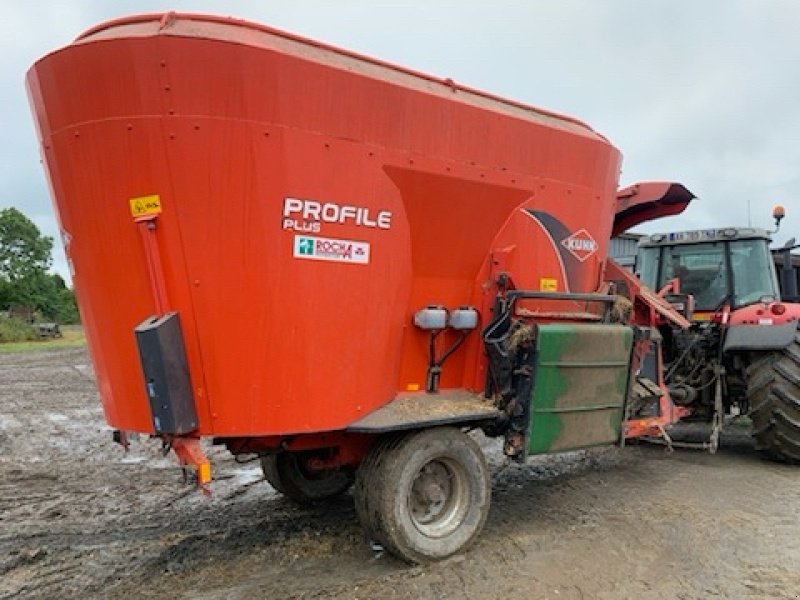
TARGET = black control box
(166,374)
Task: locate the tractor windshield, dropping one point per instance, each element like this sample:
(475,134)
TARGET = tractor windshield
(753,271)
(739,271)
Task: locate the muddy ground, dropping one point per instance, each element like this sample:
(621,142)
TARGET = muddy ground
(79,518)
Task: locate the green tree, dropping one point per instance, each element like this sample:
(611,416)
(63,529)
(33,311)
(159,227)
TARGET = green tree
(23,249)
(58,301)
(25,256)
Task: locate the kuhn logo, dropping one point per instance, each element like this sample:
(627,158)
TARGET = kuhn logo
(580,244)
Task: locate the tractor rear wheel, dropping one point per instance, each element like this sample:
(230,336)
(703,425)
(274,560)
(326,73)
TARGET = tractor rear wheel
(288,474)
(773,391)
(424,496)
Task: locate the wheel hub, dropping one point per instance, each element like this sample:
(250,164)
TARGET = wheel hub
(437,499)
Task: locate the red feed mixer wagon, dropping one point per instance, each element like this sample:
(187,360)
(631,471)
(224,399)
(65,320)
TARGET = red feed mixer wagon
(340,265)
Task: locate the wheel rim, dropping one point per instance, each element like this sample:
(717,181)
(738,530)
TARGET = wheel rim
(439,497)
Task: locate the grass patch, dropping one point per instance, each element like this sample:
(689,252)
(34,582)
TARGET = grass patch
(15,330)
(72,338)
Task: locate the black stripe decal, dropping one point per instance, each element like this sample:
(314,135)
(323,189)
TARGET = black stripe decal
(558,232)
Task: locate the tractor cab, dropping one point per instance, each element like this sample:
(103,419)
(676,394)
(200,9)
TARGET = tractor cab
(716,267)
(740,356)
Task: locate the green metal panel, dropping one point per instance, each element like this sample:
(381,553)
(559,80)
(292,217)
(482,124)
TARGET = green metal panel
(581,376)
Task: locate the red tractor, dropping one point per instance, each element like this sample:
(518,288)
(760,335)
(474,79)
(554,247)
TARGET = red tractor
(741,354)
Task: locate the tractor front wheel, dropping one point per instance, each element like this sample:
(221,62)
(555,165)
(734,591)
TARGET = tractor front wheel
(288,474)
(773,392)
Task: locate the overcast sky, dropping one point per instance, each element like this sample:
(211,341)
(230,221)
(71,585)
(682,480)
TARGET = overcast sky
(704,93)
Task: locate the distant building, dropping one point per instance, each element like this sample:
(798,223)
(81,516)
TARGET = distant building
(785,278)
(623,249)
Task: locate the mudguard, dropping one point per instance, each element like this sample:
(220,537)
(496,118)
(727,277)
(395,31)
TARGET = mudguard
(759,337)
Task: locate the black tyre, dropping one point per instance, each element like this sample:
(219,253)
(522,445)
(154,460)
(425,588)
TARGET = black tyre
(269,465)
(424,496)
(773,392)
(365,476)
(289,475)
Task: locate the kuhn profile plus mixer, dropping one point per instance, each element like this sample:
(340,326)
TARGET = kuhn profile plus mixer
(339,264)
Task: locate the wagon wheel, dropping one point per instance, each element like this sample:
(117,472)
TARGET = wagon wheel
(289,474)
(425,496)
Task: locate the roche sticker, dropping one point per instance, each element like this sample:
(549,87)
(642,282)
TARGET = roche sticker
(318,248)
(580,244)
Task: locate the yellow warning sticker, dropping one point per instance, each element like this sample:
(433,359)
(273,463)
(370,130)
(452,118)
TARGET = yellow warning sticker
(547,284)
(145,205)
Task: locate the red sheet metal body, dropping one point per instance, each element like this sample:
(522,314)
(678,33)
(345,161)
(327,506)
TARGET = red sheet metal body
(242,131)
(649,200)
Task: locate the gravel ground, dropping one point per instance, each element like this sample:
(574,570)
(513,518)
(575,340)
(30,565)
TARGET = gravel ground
(79,518)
